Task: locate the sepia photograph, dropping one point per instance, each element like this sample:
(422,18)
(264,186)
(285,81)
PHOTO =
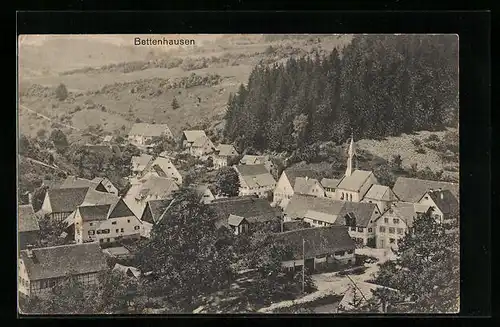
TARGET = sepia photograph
(238,173)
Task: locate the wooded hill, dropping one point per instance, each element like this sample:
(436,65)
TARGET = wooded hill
(379,85)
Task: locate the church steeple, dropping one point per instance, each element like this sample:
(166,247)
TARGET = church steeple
(350,154)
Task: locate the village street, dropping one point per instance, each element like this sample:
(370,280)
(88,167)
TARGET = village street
(332,283)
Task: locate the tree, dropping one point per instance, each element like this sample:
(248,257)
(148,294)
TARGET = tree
(227,182)
(38,197)
(428,256)
(59,139)
(61,92)
(184,254)
(175,104)
(51,231)
(397,162)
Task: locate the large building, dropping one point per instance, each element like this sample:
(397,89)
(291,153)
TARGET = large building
(255,180)
(143,134)
(286,186)
(41,269)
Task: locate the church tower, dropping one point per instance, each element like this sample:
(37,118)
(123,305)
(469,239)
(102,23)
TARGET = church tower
(350,154)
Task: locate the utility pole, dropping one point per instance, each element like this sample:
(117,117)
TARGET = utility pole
(303,265)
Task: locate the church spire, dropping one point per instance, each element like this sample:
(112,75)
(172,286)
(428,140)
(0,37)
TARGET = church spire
(350,154)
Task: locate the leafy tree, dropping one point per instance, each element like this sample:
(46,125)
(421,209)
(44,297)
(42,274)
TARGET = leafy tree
(50,232)
(227,182)
(184,254)
(397,162)
(175,104)
(428,256)
(59,139)
(61,92)
(38,197)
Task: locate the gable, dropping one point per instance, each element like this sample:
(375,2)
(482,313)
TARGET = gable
(121,210)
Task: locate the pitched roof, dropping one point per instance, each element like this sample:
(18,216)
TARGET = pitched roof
(412,189)
(198,138)
(73,182)
(250,159)
(140,162)
(120,209)
(117,250)
(318,240)
(93,197)
(58,261)
(93,213)
(159,187)
(127,270)
(300,204)
(445,201)
(226,150)
(330,182)
(66,199)
(355,181)
(255,175)
(234,220)
(149,130)
(379,192)
(362,212)
(293,173)
(251,208)
(27,221)
(321,216)
(163,164)
(405,211)
(303,185)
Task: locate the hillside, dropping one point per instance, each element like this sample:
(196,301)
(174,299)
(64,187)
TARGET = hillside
(141,84)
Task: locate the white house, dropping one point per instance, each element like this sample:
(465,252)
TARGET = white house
(59,203)
(222,154)
(143,134)
(286,183)
(361,219)
(330,185)
(163,167)
(381,195)
(197,143)
(106,223)
(250,159)
(41,269)
(445,206)
(396,222)
(255,180)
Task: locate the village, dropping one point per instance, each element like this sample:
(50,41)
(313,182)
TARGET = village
(340,230)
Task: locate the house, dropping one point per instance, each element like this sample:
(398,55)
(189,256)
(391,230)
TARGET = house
(223,152)
(142,134)
(203,190)
(412,189)
(163,167)
(156,188)
(300,204)
(106,223)
(396,222)
(141,163)
(236,224)
(250,159)
(59,203)
(308,186)
(255,180)
(317,247)
(108,139)
(41,269)
(285,187)
(154,209)
(128,271)
(357,295)
(445,206)
(254,210)
(320,219)
(330,185)
(381,195)
(197,143)
(360,218)
(118,252)
(101,184)
(27,226)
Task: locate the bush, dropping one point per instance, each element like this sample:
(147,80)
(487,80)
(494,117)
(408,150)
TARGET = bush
(61,92)
(421,151)
(416,142)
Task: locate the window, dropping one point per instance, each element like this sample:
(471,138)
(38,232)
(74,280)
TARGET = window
(353,229)
(339,253)
(427,198)
(400,231)
(350,197)
(376,212)
(370,201)
(117,230)
(382,229)
(342,196)
(113,223)
(395,221)
(391,230)
(121,230)
(105,231)
(98,231)
(91,232)
(386,220)
(128,220)
(370,230)
(391,241)
(361,229)
(136,227)
(91,224)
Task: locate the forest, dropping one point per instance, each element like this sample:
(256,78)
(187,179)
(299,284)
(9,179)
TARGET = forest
(377,86)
